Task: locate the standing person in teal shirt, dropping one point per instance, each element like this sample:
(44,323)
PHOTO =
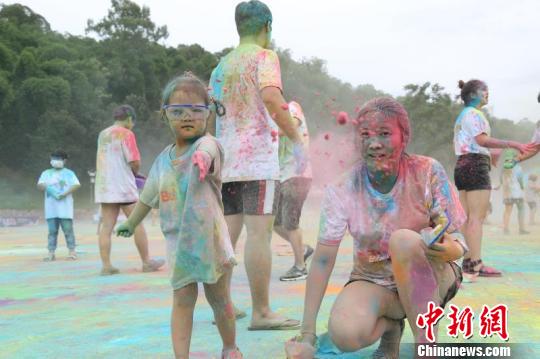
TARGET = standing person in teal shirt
(59,183)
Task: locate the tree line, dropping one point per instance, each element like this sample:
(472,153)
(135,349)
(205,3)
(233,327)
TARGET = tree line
(58,90)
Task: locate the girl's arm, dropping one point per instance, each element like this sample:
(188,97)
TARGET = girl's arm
(127,228)
(317,282)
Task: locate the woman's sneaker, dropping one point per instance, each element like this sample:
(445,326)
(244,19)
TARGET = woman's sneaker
(294,273)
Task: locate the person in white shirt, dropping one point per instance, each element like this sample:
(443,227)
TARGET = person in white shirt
(58,183)
(118,161)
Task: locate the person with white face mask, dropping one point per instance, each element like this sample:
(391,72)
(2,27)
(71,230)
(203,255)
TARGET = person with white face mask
(59,183)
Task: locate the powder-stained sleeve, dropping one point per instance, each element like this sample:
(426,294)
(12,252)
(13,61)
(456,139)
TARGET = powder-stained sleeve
(268,70)
(334,220)
(150,192)
(445,199)
(129,147)
(210,145)
(474,124)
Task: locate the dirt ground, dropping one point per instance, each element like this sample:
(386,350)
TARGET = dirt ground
(64,309)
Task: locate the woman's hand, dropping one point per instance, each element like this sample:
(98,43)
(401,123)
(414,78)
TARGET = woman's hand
(445,250)
(301,347)
(523,148)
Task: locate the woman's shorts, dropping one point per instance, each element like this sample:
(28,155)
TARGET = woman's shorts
(472,172)
(452,291)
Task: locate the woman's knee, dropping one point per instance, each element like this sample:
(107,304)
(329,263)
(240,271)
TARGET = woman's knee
(404,244)
(347,339)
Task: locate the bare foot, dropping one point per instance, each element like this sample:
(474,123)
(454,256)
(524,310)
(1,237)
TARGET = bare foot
(109,271)
(273,321)
(152,265)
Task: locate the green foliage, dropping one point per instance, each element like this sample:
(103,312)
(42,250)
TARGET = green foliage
(127,21)
(59,90)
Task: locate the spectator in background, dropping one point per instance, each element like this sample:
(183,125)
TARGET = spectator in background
(293,191)
(59,183)
(118,161)
(512,183)
(472,144)
(532,191)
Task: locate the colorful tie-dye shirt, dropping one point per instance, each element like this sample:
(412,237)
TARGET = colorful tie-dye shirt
(61,180)
(191,214)
(470,123)
(245,132)
(420,195)
(115,181)
(287,163)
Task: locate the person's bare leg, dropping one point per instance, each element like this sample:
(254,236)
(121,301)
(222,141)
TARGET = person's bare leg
(184,300)
(532,215)
(521,217)
(477,205)
(506,217)
(235,223)
(361,314)
(109,213)
(258,262)
(418,280)
(294,237)
(463,200)
(219,298)
(141,240)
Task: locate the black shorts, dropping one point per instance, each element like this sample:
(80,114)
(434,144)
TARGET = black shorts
(292,195)
(532,205)
(250,197)
(452,291)
(472,172)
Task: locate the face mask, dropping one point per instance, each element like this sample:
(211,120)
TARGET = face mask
(57,164)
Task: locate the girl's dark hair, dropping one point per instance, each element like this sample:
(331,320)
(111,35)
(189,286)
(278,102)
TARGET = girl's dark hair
(469,89)
(188,82)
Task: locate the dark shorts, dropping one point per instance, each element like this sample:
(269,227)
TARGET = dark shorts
(250,197)
(452,291)
(121,204)
(472,172)
(512,201)
(292,195)
(532,205)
